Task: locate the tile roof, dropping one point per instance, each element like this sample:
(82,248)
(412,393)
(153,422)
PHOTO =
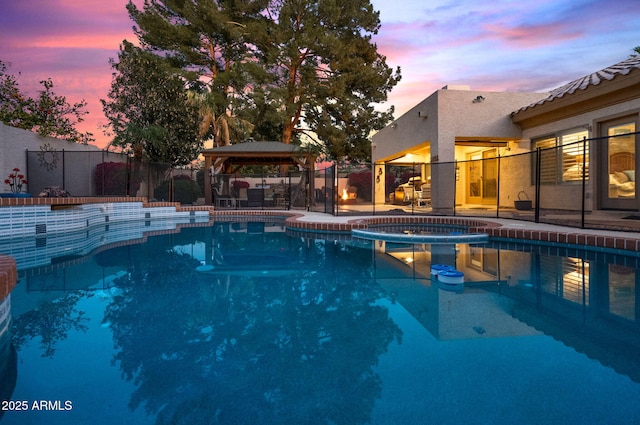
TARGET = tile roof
(609,73)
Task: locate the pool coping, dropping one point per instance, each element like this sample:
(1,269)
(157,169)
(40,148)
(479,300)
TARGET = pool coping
(495,229)
(503,229)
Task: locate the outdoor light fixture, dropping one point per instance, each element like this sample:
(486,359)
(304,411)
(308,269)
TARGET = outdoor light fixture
(478,99)
(394,125)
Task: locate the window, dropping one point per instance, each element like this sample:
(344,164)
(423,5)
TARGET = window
(563,157)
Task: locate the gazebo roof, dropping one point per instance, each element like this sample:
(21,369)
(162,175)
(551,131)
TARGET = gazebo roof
(253,148)
(258,153)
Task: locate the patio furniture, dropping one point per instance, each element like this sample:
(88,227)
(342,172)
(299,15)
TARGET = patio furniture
(222,201)
(255,197)
(424,196)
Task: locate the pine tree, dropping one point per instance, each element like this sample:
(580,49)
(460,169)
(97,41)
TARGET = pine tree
(329,73)
(207,42)
(291,67)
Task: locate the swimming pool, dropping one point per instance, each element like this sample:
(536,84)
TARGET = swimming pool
(248,323)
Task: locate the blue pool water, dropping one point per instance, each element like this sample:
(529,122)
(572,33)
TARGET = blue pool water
(247,323)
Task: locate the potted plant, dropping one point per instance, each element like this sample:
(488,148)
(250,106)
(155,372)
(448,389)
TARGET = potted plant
(523,203)
(15,183)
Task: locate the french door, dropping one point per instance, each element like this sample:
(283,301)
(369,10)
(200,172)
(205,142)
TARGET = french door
(618,163)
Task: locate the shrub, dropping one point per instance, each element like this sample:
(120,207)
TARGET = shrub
(237,185)
(362,181)
(185,190)
(200,179)
(390,183)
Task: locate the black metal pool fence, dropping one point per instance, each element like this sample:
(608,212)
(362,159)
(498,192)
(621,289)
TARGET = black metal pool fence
(550,184)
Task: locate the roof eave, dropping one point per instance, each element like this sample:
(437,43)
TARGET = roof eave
(608,92)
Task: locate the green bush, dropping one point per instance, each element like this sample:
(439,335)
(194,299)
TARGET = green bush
(200,179)
(185,190)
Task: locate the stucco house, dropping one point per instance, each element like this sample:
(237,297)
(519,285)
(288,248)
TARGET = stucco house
(464,141)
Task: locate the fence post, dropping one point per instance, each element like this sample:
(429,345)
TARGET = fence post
(335,191)
(373,188)
(538,165)
(102,174)
(584,179)
(455,185)
(172,188)
(289,189)
(64,172)
(498,190)
(413,186)
(128,186)
(26,171)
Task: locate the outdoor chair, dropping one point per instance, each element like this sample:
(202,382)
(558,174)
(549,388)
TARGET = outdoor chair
(424,196)
(255,197)
(221,200)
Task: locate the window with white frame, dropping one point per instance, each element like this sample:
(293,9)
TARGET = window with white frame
(563,156)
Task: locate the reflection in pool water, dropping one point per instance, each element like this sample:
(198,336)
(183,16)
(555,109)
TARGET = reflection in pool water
(238,323)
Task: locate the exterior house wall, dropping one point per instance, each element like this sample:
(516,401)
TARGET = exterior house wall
(448,115)
(417,127)
(408,131)
(516,176)
(563,196)
(462,117)
(459,115)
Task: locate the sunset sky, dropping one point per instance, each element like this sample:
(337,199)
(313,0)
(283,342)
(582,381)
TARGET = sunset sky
(499,45)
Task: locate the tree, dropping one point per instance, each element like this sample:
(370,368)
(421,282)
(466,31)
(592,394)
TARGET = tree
(48,114)
(206,42)
(328,72)
(149,111)
(291,67)
(221,128)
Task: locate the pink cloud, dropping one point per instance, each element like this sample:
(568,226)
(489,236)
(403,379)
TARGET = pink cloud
(70,42)
(489,45)
(527,36)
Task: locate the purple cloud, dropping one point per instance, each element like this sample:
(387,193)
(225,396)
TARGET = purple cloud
(498,45)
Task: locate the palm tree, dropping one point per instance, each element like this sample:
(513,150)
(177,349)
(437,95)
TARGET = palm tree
(222,127)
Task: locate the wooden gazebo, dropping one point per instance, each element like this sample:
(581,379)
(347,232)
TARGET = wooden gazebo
(228,159)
